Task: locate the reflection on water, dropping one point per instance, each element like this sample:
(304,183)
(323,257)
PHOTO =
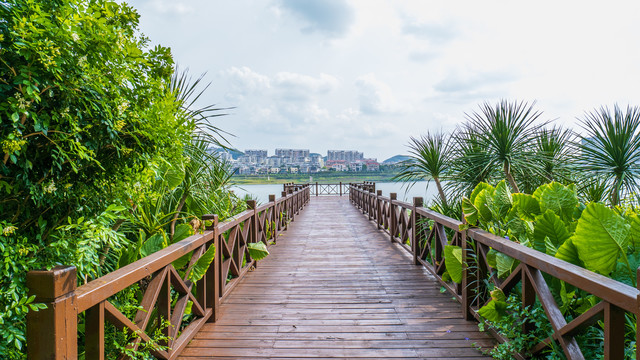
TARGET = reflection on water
(261,192)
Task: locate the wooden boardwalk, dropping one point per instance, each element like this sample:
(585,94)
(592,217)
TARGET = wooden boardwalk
(335,287)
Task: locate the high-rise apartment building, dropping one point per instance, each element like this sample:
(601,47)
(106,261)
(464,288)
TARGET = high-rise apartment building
(346,155)
(293,155)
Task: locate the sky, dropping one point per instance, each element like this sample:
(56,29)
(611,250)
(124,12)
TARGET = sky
(368,74)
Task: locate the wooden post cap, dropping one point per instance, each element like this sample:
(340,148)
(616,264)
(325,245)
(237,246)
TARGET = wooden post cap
(393,196)
(418,201)
(379,193)
(272,198)
(47,285)
(251,204)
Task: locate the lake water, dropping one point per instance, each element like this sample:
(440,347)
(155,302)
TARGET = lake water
(426,189)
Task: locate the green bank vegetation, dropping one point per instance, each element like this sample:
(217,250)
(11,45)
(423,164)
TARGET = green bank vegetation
(572,196)
(322,177)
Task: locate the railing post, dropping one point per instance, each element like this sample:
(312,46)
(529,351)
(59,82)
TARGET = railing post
(638,316)
(370,197)
(285,210)
(253,231)
(417,202)
(316,188)
(378,209)
(340,188)
(468,276)
(392,223)
(614,331)
(52,332)
(274,219)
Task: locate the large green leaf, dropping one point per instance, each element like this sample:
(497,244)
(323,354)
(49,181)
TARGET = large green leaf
(549,225)
(559,199)
(496,309)
(453,261)
(601,236)
(483,203)
(470,212)
(568,252)
(526,205)
(505,264)
(481,186)
(501,200)
(538,192)
(182,232)
(258,251)
(521,229)
(634,235)
(156,242)
(171,174)
(200,268)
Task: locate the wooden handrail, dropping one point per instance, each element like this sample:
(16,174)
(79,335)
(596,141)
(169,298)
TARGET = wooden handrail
(390,215)
(52,332)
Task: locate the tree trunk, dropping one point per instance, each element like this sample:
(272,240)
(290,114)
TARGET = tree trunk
(615,192)
(175,217)
(510,179)
(440,191)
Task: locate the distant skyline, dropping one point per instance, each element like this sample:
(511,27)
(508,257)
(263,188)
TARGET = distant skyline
(368,74)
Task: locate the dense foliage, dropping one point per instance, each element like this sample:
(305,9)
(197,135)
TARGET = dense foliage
(570,196)
(104,154)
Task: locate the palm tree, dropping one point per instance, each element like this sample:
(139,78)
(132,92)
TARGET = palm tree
(555,148)
(469,165)
(429,158)
(611,148)
(506,132)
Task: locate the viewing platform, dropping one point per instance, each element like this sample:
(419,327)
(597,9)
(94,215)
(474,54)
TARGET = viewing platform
(335,287)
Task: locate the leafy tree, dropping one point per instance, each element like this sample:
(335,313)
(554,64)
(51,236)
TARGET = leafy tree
(86,109)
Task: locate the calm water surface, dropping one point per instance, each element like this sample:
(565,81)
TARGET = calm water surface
(426,189)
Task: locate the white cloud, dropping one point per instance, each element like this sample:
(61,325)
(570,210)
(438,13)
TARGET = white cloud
(427,63)
(375,97)
(172,6)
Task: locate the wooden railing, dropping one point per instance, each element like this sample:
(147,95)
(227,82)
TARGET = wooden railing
(425,233)
(52,332)
(339,189)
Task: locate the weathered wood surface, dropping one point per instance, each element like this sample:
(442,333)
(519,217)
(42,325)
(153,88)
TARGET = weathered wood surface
(336,287)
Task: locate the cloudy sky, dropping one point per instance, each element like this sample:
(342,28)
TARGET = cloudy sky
(368,74)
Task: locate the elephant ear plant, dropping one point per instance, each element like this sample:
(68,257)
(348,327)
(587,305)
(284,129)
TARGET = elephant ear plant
(554,221)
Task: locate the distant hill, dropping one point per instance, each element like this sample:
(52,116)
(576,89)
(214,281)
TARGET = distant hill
(396,159)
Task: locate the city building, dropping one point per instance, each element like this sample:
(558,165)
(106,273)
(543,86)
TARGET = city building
(346,155)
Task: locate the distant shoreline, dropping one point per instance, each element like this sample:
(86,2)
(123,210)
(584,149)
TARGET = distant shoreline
(323,177)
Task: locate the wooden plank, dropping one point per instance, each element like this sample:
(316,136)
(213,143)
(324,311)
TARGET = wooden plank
(335,287)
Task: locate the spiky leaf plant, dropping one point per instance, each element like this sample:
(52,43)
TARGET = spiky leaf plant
(610,148)
(506,131)
(429,159)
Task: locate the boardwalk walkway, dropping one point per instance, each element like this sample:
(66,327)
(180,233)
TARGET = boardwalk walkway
(335,287)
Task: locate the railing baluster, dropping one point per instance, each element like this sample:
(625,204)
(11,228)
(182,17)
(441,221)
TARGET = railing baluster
(417,202)
(614,332)
(393,226)
(164,310)
(94,332)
